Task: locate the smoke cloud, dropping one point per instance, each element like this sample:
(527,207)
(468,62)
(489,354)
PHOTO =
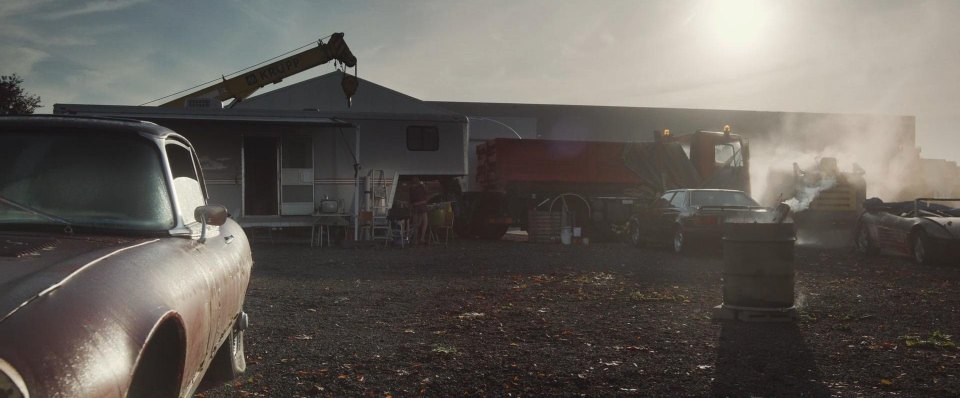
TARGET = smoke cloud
(882,146)
(803,196)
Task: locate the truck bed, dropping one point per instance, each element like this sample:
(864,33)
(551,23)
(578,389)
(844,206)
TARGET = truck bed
(504,162)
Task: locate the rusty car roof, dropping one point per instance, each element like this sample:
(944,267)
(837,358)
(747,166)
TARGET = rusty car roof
(34,122)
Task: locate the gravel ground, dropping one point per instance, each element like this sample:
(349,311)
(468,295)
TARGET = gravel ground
(519,319)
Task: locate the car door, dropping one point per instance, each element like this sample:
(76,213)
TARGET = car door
(893,229)
(656,215)
(649,221)
(211,258)
(667,220)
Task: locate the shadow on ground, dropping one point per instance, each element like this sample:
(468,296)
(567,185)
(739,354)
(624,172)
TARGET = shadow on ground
(765,359)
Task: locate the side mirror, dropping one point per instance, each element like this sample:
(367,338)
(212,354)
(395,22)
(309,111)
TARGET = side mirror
(209,215)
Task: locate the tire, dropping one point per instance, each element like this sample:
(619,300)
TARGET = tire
(229,362)
(679,241)
(921,249)
(864,244)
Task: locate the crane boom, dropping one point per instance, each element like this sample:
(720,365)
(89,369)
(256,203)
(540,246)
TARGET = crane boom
(242,86)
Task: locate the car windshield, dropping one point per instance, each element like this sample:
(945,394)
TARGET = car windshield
(721,198)
(940,207)
(90,179)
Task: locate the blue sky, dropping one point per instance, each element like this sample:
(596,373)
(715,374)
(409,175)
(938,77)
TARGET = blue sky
(891,57)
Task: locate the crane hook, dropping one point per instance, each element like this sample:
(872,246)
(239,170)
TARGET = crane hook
(349,85)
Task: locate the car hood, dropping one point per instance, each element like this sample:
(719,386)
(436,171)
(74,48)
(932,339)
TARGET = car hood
(33,264)
(951,224)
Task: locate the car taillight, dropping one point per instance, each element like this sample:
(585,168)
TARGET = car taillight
(708,220)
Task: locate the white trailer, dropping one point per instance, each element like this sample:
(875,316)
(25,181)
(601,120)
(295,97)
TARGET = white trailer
(276,167)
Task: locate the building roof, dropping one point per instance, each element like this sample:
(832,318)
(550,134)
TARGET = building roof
(632,124)
(193,114)
(371,101)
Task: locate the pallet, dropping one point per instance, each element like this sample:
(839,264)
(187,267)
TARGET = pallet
(752,314)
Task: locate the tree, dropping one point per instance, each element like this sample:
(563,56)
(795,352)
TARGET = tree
(13,99)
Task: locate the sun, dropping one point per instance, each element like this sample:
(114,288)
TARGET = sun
(738,24)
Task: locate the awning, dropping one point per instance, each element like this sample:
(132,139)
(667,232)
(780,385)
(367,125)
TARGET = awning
(306,117)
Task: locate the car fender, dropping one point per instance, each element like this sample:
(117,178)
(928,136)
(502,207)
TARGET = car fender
(932,229)
(84,338)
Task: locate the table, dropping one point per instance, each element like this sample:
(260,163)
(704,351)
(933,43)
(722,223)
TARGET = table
(321,226)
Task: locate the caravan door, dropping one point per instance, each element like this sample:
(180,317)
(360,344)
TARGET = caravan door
(296,175)
(260,175)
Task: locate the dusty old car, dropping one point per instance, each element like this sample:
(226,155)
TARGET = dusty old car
(926,228)
(692,217)
(116,277)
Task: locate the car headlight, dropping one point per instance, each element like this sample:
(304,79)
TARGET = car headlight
(11,384)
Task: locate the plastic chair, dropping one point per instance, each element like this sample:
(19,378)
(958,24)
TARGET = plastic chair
(442,224)
(397,219)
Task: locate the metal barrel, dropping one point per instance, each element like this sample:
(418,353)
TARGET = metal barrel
(543,226)
(758,265)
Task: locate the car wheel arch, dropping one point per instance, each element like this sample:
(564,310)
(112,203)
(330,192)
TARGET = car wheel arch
(869,245)
(678,229)
(914,233)
(928,256)
(161,358)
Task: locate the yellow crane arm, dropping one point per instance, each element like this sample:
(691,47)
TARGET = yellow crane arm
(242,86)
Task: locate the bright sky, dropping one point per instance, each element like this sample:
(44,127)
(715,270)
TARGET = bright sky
(890,57)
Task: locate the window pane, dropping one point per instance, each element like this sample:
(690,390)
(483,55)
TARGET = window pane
(664,200)
(413,138)
(297,193)
(423,138)
(185,182)
(678,199)
(297,152)
(729,152)
(431,139)
(721,198)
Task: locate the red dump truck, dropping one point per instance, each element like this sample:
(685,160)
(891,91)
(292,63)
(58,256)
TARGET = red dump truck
(599,183)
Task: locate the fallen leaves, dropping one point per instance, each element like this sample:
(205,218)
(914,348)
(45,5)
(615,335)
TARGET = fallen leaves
(594,278)
(655,296)
(444,349)
(936,340)
(471,315)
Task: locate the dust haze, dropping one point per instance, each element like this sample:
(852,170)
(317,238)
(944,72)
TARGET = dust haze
(883,150)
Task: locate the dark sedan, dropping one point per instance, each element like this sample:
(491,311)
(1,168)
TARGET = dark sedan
(926,229)
(692,216)
(116,277)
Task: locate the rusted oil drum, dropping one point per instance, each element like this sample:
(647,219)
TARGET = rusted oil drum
(543,226)
(758,265)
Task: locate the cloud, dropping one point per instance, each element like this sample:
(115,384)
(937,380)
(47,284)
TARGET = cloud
(12,33)
(19,59)
(92,8)
(19,7)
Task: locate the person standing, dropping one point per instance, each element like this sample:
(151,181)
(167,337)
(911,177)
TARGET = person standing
(418,211)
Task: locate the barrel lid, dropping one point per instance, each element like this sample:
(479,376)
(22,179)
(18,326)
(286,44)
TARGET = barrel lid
(759,232)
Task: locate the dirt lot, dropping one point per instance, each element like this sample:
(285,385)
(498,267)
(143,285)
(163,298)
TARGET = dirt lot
(520,319)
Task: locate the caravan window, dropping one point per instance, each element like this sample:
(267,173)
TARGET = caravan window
(423,138)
